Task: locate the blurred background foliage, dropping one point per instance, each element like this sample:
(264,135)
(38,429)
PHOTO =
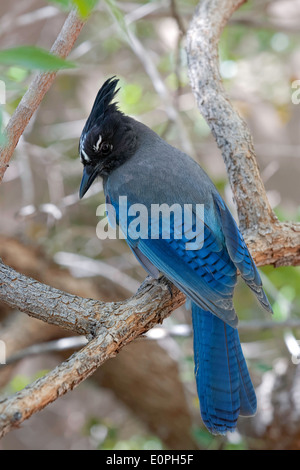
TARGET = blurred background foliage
(142,43)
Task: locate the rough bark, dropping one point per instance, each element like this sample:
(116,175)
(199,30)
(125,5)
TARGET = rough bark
(230,131)
(270,241)
(112,325)
(279,245)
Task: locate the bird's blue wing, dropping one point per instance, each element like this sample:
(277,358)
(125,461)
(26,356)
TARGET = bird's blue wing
(207,276)
(239,252)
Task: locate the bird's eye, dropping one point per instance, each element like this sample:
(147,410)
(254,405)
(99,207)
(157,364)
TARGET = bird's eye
(106,148)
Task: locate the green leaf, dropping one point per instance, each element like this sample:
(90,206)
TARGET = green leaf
(31,57)
(85,6)
(17,74)
(19,382)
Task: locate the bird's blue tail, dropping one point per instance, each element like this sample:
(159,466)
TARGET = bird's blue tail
(224,386)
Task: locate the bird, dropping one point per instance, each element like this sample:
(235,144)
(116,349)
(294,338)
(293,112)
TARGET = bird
(135,162)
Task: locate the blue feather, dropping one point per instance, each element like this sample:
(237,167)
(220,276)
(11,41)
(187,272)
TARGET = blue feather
(224,386)
(239,252)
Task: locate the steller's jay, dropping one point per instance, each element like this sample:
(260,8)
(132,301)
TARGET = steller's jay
(135,162)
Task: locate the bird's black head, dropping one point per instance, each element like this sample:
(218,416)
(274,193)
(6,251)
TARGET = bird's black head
(108,138)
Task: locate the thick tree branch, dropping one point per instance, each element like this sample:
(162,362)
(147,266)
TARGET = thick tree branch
(37,90)
(112,325)
(230,131)
(78,314)
(279,245)
(270,241)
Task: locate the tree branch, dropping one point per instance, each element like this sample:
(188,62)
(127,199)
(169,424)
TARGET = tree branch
(112,325)
(279,245)
(270,241)
(37,90)
(78,314)
(230,131)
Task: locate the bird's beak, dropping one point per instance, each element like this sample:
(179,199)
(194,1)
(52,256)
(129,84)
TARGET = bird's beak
(89,175)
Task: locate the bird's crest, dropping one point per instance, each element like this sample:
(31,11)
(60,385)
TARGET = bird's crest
(102,103)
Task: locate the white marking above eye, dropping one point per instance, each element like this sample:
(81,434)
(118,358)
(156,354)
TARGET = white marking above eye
(97,145)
